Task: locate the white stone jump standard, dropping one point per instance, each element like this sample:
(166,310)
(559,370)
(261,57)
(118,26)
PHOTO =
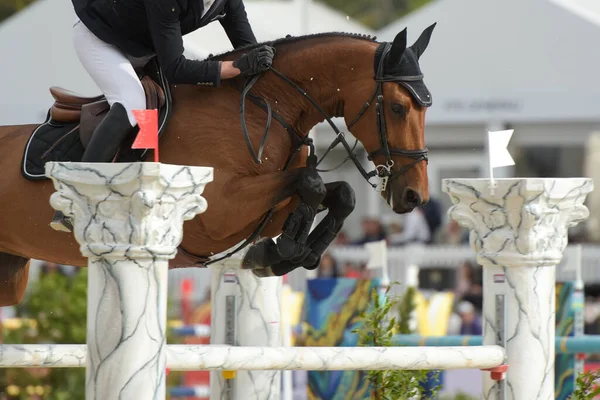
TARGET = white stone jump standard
(519,234)
(128,220)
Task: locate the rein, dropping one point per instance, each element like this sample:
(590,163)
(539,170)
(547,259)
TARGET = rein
(383,172)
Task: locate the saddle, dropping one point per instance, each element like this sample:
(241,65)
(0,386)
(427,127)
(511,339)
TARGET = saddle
(72,119)
(69,107)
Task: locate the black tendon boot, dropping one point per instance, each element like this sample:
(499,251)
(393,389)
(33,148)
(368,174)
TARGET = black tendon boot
(103,146)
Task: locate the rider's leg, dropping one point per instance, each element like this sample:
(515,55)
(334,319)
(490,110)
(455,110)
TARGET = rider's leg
(114,75)
(110,69)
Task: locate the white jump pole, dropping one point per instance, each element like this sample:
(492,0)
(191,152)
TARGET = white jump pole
(519,234)
(128,221)
(265,359)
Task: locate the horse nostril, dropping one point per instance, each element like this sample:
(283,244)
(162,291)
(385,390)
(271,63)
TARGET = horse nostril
(411,198)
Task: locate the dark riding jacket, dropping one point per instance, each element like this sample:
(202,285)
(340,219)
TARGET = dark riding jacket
(155,27)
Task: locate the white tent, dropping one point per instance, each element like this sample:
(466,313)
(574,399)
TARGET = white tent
(37,50)
(517,60)
(272,19)
(587,9)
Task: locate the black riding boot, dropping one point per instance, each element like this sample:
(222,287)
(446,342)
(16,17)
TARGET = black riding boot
(103,146)
(108,136)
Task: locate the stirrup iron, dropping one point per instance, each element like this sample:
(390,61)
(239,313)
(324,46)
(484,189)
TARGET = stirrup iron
(61,223)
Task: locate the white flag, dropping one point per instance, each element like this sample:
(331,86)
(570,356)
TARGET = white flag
(378,259)
(499,155)
(377,254)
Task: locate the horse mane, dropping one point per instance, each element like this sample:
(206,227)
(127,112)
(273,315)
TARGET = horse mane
(289,39)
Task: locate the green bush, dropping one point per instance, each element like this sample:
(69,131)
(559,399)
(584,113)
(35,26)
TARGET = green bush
(378,326)
(377,329)
(584,386)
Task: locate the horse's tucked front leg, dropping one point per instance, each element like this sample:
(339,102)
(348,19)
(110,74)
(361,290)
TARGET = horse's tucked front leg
(291,246)
(340,200)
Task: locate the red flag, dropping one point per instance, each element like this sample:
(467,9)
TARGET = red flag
(147,137)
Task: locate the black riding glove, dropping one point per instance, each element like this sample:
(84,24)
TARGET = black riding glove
(255,61)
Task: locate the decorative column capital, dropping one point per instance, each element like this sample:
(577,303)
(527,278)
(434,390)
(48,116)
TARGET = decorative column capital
(128,210)
(524,223)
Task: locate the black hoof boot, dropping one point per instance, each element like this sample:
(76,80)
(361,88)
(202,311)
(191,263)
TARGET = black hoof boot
(265,259)
(61,223)
(308,261)
(263,272)
(260,255)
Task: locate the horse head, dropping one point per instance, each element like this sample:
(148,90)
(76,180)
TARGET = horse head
(395,110)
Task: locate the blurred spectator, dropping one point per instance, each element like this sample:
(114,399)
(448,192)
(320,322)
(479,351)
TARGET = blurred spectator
(591,316)
(350,271)
(50,267)
(414,229)
(394,230)
(365,273)
(454,324)
(372,231)
(470,321)
(356,271)
(464,279)
(328,267)
(455,234)
(433,215)
(341,239)
(469,284)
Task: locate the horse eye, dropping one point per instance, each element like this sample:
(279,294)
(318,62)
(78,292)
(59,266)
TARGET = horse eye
(399,109)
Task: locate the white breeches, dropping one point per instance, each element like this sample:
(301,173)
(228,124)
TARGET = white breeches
(110,69)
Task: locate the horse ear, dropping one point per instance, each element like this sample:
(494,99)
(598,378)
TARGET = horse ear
(423,41)
(398,48)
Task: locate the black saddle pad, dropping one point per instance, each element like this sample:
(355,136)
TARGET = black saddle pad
(51,142)
(54,141)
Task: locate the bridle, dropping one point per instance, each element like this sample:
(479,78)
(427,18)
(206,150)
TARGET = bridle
(385,173)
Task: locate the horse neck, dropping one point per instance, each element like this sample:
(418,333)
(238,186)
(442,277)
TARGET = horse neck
(329,70)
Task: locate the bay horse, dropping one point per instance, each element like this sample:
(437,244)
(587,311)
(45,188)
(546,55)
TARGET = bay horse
(377,87)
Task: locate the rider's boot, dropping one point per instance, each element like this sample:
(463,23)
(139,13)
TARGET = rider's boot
(103,146)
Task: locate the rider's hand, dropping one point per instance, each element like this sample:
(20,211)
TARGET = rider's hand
(255,61)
